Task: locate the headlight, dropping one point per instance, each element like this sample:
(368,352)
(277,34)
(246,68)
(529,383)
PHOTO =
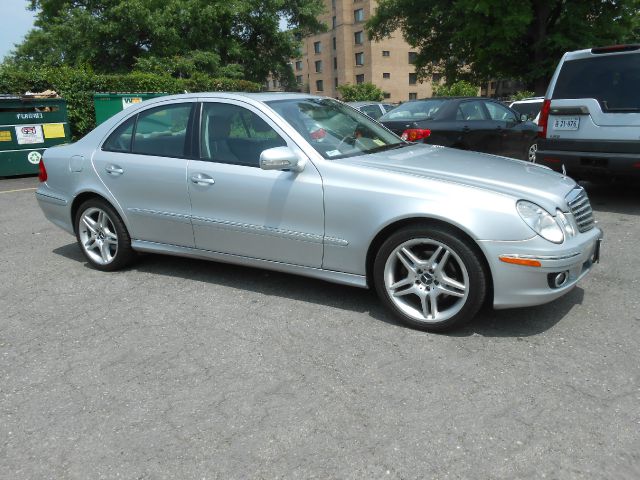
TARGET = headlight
(540,221)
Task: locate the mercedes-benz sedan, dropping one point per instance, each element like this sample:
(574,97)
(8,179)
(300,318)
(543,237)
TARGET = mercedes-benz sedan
(308,185)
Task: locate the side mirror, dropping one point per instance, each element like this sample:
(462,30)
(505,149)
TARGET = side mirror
(280,158)
(524,117)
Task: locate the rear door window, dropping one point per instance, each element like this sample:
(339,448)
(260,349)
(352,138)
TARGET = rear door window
(613,80)
(471,111)
(372,110)
(162,131)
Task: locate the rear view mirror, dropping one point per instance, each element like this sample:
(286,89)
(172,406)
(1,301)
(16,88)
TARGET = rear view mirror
(280,158)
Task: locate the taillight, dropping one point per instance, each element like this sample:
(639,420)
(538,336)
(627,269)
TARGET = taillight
(42,172)
(415,134)
(544,118)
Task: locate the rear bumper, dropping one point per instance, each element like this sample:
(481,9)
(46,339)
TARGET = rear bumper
(589,158)
(522,286)
(56,207)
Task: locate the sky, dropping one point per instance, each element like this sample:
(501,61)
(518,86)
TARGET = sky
(15,22)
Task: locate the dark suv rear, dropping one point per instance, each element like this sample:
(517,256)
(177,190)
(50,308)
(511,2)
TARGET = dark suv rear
(590,119)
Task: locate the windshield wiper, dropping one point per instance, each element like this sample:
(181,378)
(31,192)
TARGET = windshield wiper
(390,146)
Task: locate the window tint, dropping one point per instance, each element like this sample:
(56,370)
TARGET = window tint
(233,134)
(471,111)
(120,139)
(498,112)
(162,131)
(421,110)
(613,80)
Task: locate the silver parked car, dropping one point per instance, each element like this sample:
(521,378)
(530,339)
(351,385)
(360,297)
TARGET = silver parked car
(307,185)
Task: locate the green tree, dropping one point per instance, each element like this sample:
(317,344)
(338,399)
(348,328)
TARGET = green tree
(523,39)
(460,88)
(179,37)
(361,92)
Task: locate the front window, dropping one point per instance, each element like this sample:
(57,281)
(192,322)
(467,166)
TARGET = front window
(422,110)
(335,130)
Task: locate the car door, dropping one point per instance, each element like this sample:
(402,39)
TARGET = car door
(240,209)
(505,120)
(143,163)
(477,131)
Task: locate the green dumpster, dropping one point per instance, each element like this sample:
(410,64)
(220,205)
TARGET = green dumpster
(28,126)
(108,104)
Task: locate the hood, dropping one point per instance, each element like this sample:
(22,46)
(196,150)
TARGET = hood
(508,176)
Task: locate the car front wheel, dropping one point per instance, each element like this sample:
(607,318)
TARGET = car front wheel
(430,278)
(102,236)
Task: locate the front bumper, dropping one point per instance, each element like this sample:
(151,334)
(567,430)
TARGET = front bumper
(523,286)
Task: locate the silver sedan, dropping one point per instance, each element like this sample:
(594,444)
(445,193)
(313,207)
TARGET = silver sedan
(308,185)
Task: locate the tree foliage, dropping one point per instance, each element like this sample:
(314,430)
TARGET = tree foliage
(522,39)
(461,88)
(179,37)
(77,86)
(361,92)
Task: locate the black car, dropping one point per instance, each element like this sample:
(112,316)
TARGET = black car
(468,123)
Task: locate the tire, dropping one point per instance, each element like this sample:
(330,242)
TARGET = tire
(102,236)
(440,284)
(532,150)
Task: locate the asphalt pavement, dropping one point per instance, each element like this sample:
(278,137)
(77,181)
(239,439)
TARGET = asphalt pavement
(185,369)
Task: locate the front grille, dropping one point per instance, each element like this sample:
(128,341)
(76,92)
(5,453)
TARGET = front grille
(581,209)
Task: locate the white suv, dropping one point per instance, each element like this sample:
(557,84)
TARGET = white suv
(590,119)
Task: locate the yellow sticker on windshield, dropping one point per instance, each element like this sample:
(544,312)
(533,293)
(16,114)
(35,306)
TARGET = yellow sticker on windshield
(5,136)
(378,142)
(53,130)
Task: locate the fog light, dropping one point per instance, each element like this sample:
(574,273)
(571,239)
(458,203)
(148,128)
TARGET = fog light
(557,280)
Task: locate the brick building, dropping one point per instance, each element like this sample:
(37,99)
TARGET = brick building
(344,54)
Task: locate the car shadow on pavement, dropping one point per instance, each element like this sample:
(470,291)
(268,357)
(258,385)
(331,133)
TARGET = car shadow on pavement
(519,322)
(614,197)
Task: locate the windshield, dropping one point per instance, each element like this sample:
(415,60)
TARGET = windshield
(420,110)
(333,129)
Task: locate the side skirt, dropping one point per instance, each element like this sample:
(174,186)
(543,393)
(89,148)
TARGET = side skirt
(328,275)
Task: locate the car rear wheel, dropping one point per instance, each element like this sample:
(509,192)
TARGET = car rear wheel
(532,151)
(430,278)
(102,236)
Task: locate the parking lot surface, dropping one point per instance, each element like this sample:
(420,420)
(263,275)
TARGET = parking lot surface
(179,368)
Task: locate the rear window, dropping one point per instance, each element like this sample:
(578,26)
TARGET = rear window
(613,80)
(420,110)
(530,109)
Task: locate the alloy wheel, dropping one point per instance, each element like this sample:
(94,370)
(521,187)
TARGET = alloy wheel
(98,236)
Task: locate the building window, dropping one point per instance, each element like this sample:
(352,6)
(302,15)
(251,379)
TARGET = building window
(319,85)
(333,4)
(413,78)
(333,22)
(335,82)
(360,58)
(318,66)
(334,43)
(358,15)
(360,78)
(299,79)
(386,75)
(412,57)
(299,65)
(386,94)
(317,47)
(358,37)
(386,53)
(413,96)
(335,63)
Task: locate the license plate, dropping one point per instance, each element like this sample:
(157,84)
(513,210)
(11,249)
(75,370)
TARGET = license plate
(596,252)
(567,123)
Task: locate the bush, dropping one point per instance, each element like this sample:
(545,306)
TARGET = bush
(457,89)
(361,92)
(522,94)
(77,86)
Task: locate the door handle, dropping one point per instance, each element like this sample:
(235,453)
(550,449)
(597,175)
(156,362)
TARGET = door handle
(202,179)
(114,170)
